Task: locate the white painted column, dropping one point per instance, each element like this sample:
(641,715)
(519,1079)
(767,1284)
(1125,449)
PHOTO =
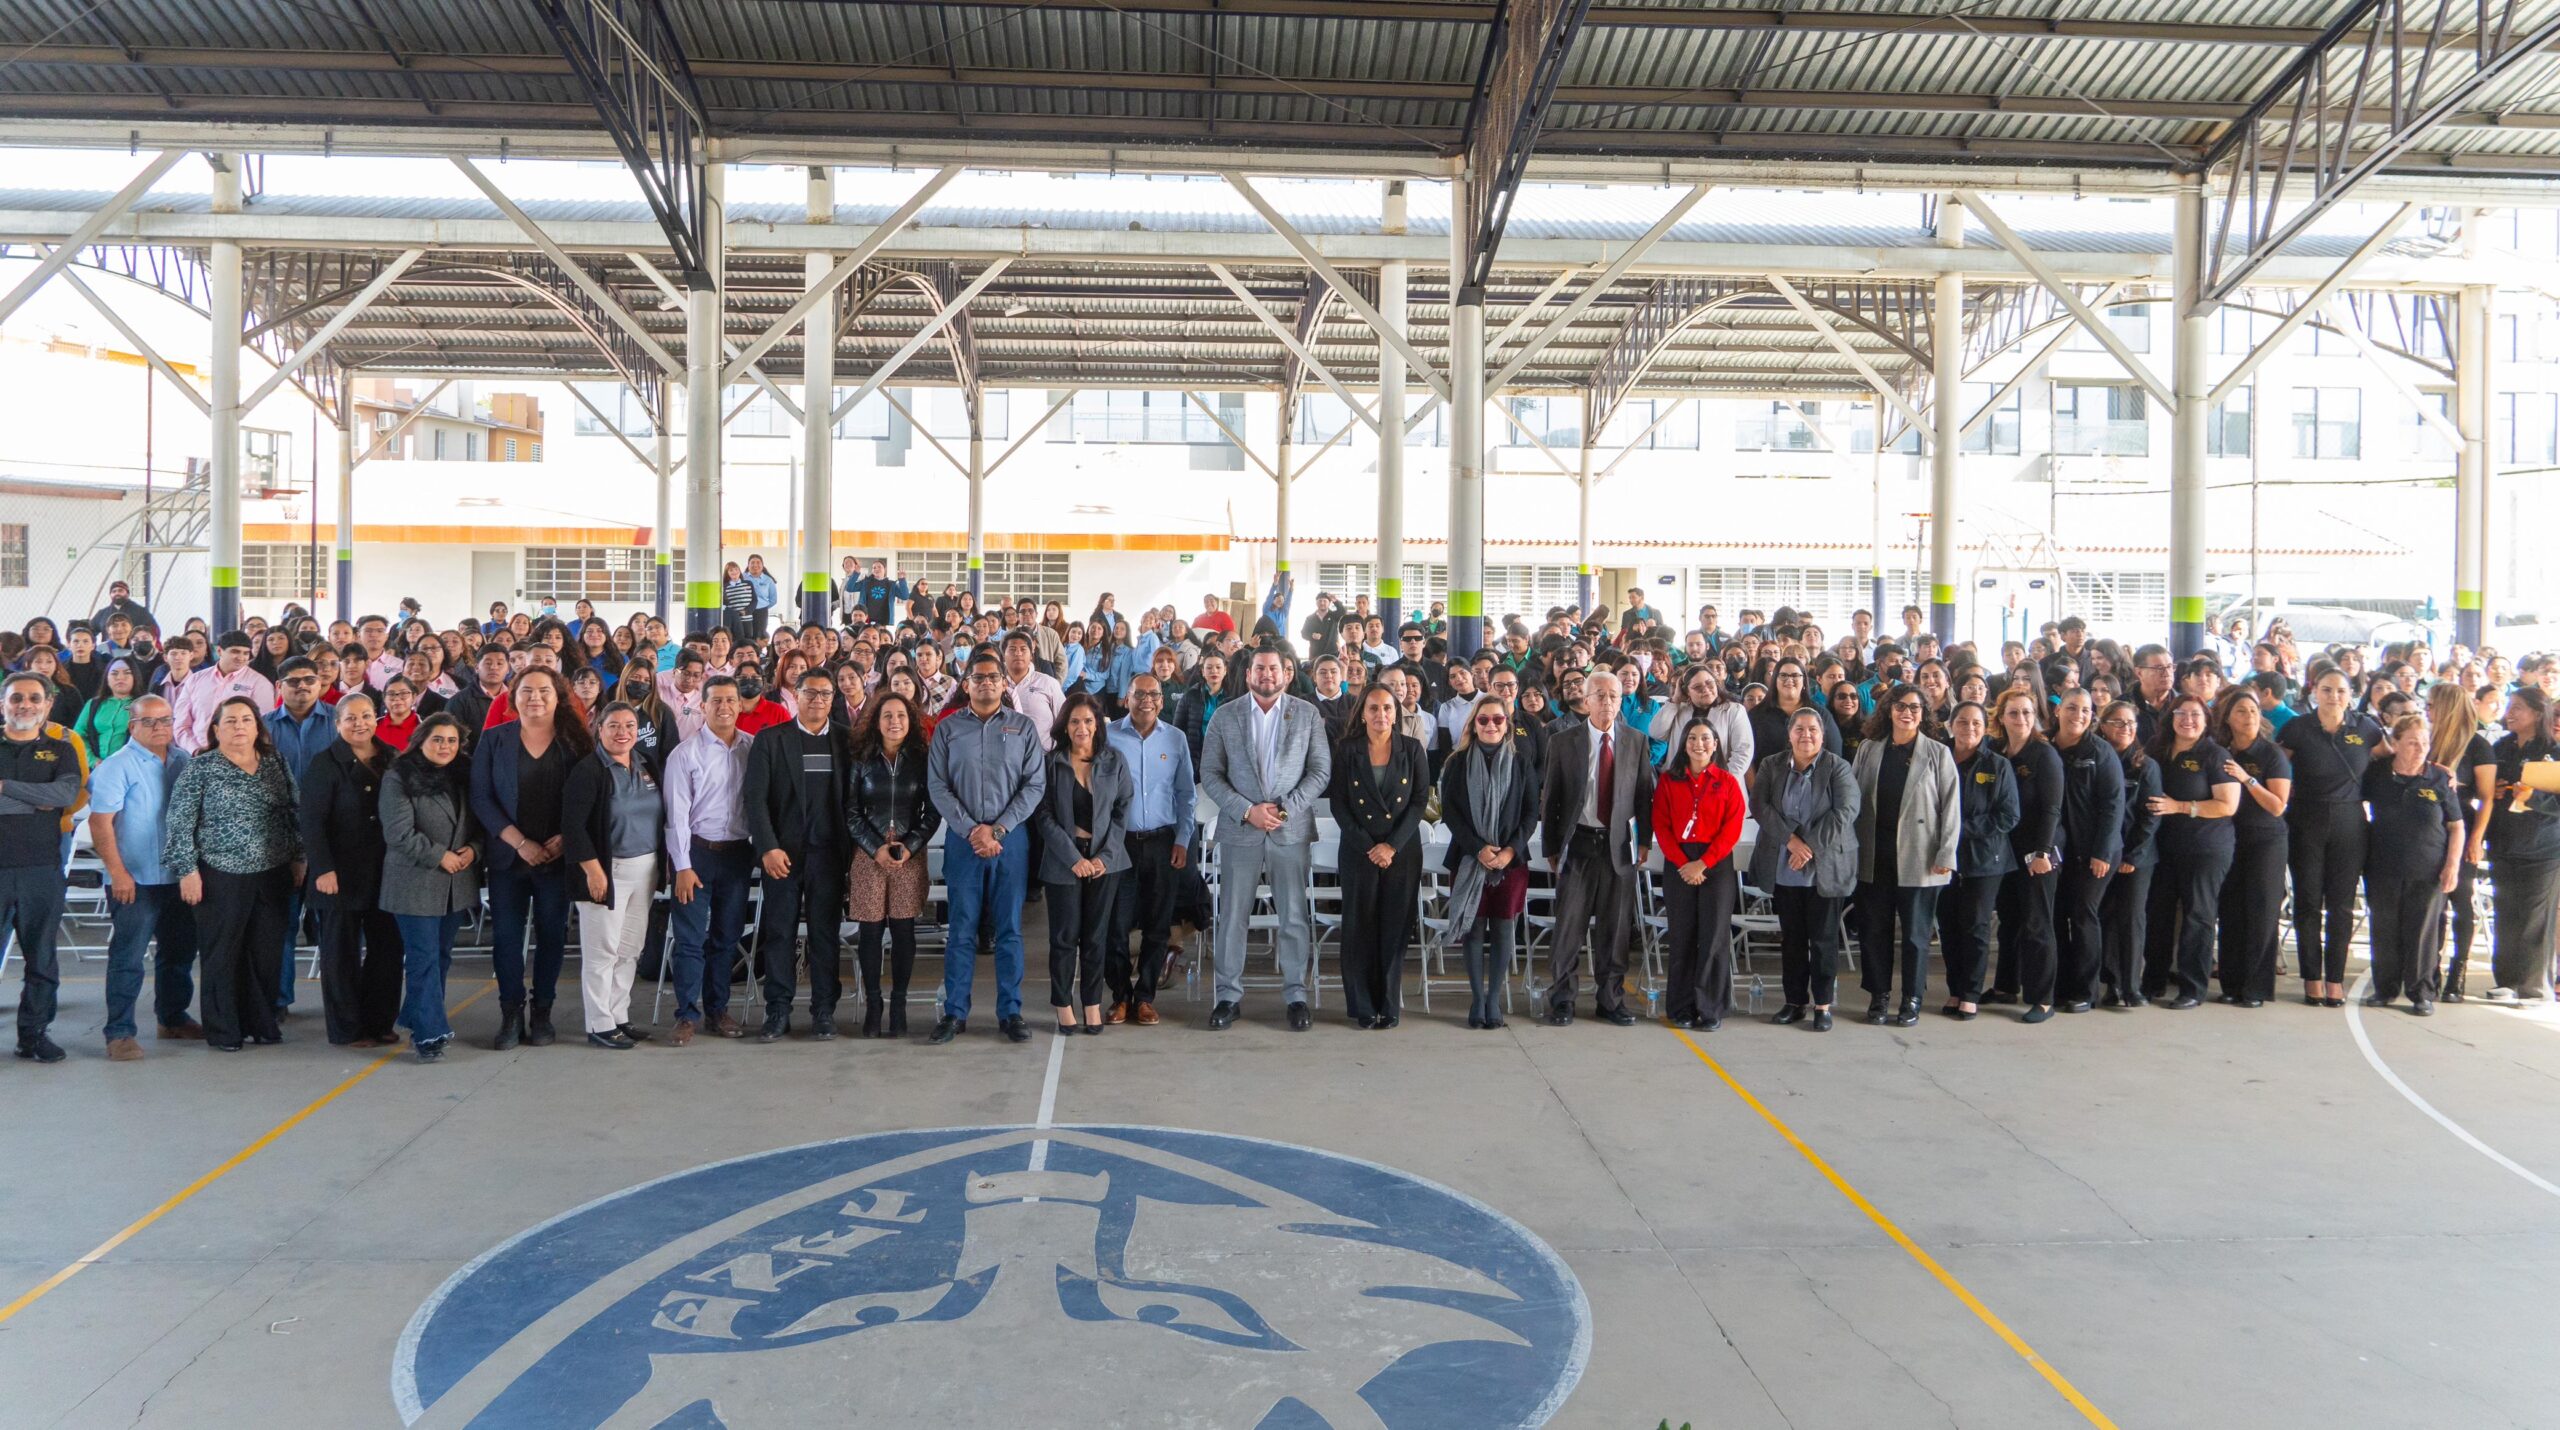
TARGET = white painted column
(1875,559)
(977,498)
(227,313)
(2187,429)
(1586,580)
(1284,479)
(1466,441)
(663,536)
(702,356)
(2472,317)
(346,498)
(1946,444)
(1388,572)
(817,430)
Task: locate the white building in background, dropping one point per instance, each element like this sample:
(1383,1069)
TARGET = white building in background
(2325,486)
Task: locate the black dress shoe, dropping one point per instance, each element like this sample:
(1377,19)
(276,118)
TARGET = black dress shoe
(2113,1000)
(945,1029)
(1620,1018)
(2247,1002)
(1558,1018)
(510,1030)
(1474,1021)
(1223,1015)
(2035,1015)
(1014,1030)
(776,1024)
(637,1035)
(2137,1000)
(1821,1020)
(41,1049)
(2423,1007)
(822,1029)
(2183,1002)
(1791,1013)
(1957,1012)
(1495,1020)
(2377,1000)
(1389,1021)
(898,1016)
(2076,1005)
(1999,995)
(538,1032)
(611,1039)
(1879,1010)
(1909,1015)
(1364,1021)
(1301,1018)
(2333,1002)
(2226,996)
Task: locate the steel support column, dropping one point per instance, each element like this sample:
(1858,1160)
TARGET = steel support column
(2194,316)
(226,320)
(1387,573)
(1875,559)
(1283,478)
(1466,443)
(702,426)
(662,537)
(817,431)
(977,507)
(1946,340)
(1586,582)
(2471,469)
(347,501)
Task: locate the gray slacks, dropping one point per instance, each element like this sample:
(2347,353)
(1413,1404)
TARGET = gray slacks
(1243,865)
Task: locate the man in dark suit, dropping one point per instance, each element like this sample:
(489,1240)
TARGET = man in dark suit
(1597,805)
(794,802)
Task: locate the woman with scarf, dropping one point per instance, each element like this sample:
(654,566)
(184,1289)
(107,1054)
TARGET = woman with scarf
(1489,800)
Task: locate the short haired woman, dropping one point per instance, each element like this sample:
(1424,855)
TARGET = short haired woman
(236,845)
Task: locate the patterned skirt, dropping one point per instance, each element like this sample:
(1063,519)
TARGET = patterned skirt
(878,893)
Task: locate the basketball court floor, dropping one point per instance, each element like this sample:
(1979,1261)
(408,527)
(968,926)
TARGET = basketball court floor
(2279,1217)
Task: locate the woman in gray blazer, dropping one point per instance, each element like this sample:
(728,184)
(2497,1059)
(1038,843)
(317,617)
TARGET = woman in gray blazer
(1806,799)
(1083,817)
(1908,823)
(430,870)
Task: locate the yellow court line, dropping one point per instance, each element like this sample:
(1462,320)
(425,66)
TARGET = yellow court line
(50,1283)
(1928,1263)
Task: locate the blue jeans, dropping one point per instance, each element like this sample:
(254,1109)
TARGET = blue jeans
(707,928)
(426,949)
(156,912)
(546,891)
(989,891)
(31,908)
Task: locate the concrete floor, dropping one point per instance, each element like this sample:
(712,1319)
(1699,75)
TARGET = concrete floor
(2219,1217)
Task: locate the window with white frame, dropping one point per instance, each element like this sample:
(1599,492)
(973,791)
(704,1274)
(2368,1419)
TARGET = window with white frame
(602,574)
(1775,427)
(1998,433)
(1555,422)
(616,400)
(13,555)
(2237,331)
(1010,575)
(1829,593)
(943,412)
(278,571)
(2112,601)
(2420,438)
(2328,423)
(2526,424)
(1157,417)
(2101,420)
(2228,432)
(1529,591)
(2130,322)
(1424,582)
(1633,424)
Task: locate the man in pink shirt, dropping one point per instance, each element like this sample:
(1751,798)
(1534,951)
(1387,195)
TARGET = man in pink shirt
(681,688)
(380,663)
(206,689)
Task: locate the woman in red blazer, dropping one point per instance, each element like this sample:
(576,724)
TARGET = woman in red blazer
(1697,819)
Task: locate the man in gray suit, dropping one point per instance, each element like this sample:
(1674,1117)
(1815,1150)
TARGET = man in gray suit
(1597,807)
(1263,760)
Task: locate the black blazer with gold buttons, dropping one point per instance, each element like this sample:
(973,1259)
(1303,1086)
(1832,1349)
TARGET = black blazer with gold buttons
(1373,814)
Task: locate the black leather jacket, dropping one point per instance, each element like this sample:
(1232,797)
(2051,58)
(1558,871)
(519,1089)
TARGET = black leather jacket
(880,797)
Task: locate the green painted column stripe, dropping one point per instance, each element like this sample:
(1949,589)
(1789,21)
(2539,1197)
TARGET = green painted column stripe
(345,554)
(702,595)
(816,583)
(977,563)
(666,558)
(2186,610)
(1466,603)
(2468,601)
(1391,588)
(226,578)
(1582,570)
(1942,595)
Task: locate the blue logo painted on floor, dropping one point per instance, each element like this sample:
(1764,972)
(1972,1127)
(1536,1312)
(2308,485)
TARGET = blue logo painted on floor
(1086,1276)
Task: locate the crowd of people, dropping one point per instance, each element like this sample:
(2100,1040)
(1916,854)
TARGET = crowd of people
(2073,823)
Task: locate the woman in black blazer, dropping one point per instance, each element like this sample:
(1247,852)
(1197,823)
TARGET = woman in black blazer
(1488,858)
(1381,781)
(360,951)
(1083,818)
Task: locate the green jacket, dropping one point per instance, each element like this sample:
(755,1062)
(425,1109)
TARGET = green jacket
(105,725)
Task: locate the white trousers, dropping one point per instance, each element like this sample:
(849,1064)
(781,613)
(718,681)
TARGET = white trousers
(609,942)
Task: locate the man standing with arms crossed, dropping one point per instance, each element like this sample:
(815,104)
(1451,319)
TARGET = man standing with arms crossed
(128,793)
(1265,763)
(985,771)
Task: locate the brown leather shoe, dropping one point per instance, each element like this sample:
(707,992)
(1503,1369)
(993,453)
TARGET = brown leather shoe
(188,1031)
(726,1026)
(123,1050)
(1145,1017)
(684,1032)
(1116,1013)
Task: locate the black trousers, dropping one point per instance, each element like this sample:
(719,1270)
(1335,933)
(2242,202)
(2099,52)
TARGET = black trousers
(1595,902)
(2326,850)
(2252,909)
(1882,908)
(360,973)
(2079,929)
(1964,932)
(901,936)
(2186,894)
(1378,907)
(1149,888)
(2466,917)
(814,891)
(1079,917)
(2524,895)
(1698,965)
(1808,945)
(2408,932)
(2125,916)
(2028,959)
(240,925)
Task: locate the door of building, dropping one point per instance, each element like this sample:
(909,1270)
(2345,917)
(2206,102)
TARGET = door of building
(493,578)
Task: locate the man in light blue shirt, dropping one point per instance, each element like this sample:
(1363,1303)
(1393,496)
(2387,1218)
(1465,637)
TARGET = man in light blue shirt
(128,794)
(1162,816)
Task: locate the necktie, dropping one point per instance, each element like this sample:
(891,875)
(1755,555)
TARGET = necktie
(1608,782)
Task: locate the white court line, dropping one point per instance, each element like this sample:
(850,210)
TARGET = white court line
(1048,1102)
(2355,1025)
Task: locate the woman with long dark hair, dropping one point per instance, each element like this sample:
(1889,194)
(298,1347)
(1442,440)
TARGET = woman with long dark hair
(1381,781)
(2412,862)
(1489,800)
(1909,825)
(2461,746)
(236,845)
(893,820)
(343,849)
(2124,912)
(1697,821)
(2252,904)
(2198,797)
(2524,854)
(519,773)
(1083,817)
(2029,956)
(430,871)
(1987,784)
(2325,827)
(2092,842)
